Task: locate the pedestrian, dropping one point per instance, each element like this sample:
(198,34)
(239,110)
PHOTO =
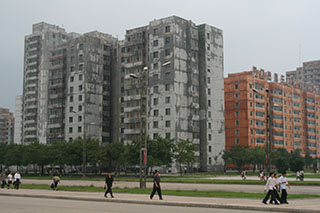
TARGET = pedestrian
(3,179)
(55,181)
(276,188)
(10,186)
(108,183)
(185,170)
(301,175)
(17,180)
(269,186)
(298,175)
(243,175)
(156,185)
(283,186)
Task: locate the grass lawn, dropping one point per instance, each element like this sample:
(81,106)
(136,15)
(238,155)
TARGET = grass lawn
(193,193)
(178,179)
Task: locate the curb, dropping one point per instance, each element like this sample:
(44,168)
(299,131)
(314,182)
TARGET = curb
(165,203)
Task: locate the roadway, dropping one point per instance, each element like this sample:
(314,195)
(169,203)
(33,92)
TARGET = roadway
(40,205)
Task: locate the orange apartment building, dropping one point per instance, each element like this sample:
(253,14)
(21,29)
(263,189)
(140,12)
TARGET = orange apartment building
(294,114)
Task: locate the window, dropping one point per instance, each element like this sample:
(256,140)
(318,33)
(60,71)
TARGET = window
(156,112)
(208,70)
(70,129)
(236,104)
(168,124)
(71,79)
(168,135)
(168,111)
(209,91)
(71,89)
(80,97)
(155,31)
(209,114)
(209,125)
(167,100)
(209,103)
(70,119)
(209,148)
(155,66)
(167,29)
(155,124)
(79,118)
(237,141)
(167,40)
(155,135)
(80,66)
(236,95)
(79,129)
(156,89)
(155,43)
(237,131)
(250,95)
(71,98)
(80,46)
(155,54)
(166,52)
(80,108)
(167,87)
(236,86)
(71,109)
(209,137)
(236,113)
(80,87)
(237,122)
(71,68)
(208,35)
(208,80)
(155,101)
(80,77)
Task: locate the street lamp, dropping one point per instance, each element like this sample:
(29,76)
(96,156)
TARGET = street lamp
(143,146)
(269,136)
(84,147)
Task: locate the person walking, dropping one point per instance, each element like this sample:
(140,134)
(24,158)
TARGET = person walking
(156,185)
(3,178)
(108,183)
(283,186)
(276,188)
(269,186)
(56,180)
(10,186)
(17,180)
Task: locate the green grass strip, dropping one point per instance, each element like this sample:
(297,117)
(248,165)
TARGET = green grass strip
(193,193)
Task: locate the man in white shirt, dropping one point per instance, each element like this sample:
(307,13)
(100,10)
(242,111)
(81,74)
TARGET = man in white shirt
(270,186)
(10,180)
(17,180)
(283,186)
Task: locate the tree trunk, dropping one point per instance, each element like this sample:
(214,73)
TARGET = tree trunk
(180,169)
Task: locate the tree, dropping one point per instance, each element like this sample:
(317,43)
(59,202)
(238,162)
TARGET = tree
(280,159)
(256,156)
(14,155)
(3,151)
(115,155)
(308,159)
(238,155)
(296,161)
(185,153)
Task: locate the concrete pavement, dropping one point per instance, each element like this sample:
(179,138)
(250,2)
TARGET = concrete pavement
(256,178)
(181,186)
(297,205)
(39,205)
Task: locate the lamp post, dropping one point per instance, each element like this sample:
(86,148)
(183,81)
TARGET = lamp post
(143,139)
(269,136)
(84,147)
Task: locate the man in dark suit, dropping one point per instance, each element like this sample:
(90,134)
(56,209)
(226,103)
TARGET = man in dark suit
(156,186)
(108,183)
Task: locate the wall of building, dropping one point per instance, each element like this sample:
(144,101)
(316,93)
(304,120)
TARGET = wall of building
(18,120)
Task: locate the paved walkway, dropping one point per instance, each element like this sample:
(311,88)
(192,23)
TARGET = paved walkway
(181,186)
(256,178)
(297,205)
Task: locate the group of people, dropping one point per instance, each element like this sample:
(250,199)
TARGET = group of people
(9,180)
(156,185)
(275,185)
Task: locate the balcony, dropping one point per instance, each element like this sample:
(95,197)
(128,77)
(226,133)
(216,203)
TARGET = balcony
(132,131)
(131,109)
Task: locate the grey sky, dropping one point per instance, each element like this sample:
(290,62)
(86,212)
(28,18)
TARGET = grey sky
(265,34)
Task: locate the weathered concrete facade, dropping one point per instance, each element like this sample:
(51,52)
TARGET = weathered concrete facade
(38,45)
(177,62)
(18,120)
(90,61)
(6,126)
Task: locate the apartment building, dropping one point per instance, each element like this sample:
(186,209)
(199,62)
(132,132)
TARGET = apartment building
(251,98)
(165,67)
(37,49)
(6,126)
(18,120)
(306,77)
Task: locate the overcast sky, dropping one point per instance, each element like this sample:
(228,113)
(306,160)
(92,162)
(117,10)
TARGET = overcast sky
(266,34)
